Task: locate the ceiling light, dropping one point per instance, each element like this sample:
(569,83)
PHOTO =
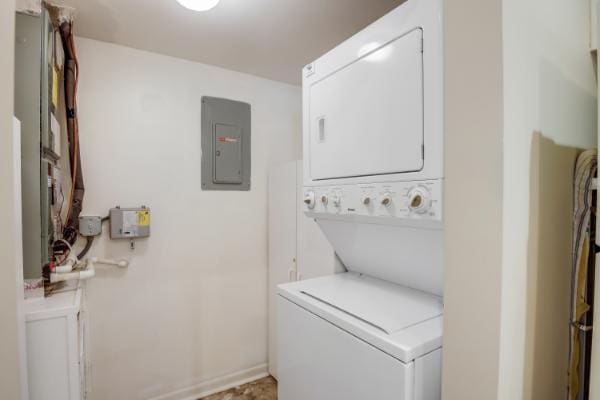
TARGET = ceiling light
(199,5)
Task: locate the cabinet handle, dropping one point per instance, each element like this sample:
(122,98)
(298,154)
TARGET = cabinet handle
(321,124)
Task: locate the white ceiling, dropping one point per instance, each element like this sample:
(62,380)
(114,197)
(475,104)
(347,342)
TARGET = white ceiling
(269,38)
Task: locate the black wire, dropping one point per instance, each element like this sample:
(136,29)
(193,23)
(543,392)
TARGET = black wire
(90,241)
(88,246)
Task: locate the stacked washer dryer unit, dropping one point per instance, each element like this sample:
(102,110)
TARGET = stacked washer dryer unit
(373,145)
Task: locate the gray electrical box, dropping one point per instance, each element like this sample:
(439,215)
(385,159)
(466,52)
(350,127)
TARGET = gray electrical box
(225,144)
(129,223)
(90,226)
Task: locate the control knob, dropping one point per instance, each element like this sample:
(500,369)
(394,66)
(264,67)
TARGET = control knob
(336,201)
(386,200)
(419,200)
(366,200)
(309,199)
(324,199)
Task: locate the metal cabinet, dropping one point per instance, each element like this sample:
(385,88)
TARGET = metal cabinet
(226,144)
(36,106)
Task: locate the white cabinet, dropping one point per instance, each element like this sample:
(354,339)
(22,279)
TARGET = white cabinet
(297,247)
(56,359)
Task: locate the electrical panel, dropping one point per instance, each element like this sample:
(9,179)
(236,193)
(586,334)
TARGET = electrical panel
(225,144)
(129,223)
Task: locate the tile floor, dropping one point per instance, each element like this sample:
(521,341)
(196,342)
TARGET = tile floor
(262,389)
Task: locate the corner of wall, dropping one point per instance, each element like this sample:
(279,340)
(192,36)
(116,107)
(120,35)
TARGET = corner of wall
(473,198)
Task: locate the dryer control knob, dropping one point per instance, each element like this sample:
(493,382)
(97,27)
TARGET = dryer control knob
(336,201)
(324,199)
(419,200)
(309,199)
(366,200)
(386,200)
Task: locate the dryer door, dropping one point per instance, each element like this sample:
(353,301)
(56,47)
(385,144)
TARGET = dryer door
(367,117)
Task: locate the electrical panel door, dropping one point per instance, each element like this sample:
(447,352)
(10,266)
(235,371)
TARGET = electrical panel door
(225,144)
(227,155)
(34,178)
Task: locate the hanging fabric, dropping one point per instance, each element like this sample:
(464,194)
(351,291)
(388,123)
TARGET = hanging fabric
(582,257)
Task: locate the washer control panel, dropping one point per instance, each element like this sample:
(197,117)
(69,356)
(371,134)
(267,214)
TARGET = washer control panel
(408,200)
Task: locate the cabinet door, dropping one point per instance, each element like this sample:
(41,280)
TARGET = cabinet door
(282,242)
(315,255)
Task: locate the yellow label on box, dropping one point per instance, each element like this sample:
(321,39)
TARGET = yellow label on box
(143,218)
(54,87)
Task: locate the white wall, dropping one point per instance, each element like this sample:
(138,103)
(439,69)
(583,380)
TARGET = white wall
(9,239)
(549,87)
(192,307)
(473,164)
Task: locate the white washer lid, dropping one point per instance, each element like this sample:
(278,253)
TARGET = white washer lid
(384,305)
(402,322)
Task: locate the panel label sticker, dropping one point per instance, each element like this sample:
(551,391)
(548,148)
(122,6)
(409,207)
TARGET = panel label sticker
(226,139)
(143,218)
(54,87)
(130,223)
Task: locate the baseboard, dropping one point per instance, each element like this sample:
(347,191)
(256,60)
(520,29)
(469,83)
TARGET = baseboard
(212,386)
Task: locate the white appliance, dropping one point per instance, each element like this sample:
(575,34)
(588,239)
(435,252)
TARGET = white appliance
(373,181)
(295,242)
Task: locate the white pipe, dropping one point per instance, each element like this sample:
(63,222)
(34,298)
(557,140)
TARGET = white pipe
(117,263)
(64,272)
(67,266)
(85,274)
